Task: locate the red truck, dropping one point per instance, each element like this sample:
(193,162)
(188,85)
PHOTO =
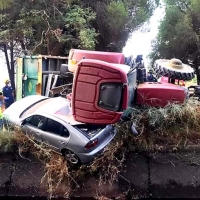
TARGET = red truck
(104,86)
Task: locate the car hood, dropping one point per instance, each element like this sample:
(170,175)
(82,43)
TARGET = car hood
(19,106)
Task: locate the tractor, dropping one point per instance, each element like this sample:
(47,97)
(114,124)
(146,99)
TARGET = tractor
(140,92)
(106,85)
(177,73)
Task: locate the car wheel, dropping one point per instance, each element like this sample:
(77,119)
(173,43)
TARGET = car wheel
(71,157)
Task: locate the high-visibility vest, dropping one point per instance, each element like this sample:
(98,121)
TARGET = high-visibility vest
(1,114)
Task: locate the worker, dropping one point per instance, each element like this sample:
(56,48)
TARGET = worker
(150,77)
(8,94)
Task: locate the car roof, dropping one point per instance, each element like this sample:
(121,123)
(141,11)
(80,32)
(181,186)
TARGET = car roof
(54,105)
(58,107)
(68,118)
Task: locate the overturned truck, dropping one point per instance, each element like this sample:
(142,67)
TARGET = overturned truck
(102,84)
(140,92)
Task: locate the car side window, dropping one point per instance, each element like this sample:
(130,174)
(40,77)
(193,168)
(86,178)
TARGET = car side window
(53,127)
(56,128)
(65,132)
(36,121)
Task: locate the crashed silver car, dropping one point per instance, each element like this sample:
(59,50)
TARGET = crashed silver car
(50,121)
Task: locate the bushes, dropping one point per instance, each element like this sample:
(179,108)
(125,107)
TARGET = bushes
(175,125)
(6,141)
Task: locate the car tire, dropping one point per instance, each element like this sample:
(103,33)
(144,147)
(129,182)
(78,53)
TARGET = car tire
(162,71)
(71,157)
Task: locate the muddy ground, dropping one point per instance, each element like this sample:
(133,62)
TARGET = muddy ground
(148,176)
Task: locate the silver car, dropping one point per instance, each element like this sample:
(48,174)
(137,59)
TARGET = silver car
(50,121)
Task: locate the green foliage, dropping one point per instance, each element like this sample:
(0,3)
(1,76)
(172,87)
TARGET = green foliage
(5,4)
(6,141)
(78,31)
(116,15)
(54,26)
(87,38)
(116,20)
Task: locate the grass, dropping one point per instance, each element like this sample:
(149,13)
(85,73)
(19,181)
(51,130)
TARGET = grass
(191,82)
(6,141)
(176,126)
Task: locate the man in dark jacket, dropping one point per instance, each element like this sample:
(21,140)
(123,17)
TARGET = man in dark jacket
(150,77)
(8,94)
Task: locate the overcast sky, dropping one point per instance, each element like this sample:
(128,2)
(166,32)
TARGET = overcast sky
(140,42)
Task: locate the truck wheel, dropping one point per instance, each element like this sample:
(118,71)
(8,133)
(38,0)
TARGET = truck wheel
(174,74)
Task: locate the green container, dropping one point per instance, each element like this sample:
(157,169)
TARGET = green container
(30,73)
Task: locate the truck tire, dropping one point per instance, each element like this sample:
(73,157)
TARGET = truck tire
(174,74)
(64,69)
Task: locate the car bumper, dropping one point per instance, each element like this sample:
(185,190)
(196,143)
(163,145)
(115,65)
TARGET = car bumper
(88,157)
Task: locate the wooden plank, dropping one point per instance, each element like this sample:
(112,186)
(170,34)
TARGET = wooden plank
(57,90)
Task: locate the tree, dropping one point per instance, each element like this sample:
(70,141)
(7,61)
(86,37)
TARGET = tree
(53,27)
(116,20)
(40,27)
(179,33)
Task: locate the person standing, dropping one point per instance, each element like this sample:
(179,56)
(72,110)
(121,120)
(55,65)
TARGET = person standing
(150,77)
(8,94)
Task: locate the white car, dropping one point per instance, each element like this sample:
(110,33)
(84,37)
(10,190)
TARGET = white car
(50,121)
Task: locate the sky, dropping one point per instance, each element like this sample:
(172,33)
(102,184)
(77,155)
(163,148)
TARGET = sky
(138,43)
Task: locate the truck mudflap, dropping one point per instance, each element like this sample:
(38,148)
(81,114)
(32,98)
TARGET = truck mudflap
(100,92)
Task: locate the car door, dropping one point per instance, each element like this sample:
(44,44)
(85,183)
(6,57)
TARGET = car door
(100,92)
(55,134)
(33,126)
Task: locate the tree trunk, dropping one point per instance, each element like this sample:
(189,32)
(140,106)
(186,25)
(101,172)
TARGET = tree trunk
(5,49)
(12,65)
(22,45)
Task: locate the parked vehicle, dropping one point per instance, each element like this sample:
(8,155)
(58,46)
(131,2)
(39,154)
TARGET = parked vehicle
(50,121)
